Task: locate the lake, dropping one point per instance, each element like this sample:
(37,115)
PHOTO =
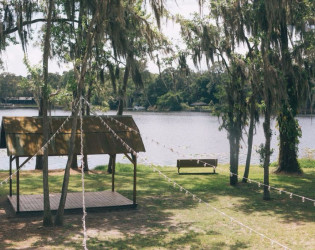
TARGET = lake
(192,134)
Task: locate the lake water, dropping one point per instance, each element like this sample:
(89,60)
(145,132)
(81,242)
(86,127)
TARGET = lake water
(193,134)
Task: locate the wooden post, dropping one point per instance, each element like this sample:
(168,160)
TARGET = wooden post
(17,185)
(113,161)
(134,158)
(10,175)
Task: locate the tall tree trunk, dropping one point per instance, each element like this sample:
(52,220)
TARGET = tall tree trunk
(122,92)
(80,76)
(74,162)
(267,150)
(120,110)
(47,220)
(88,97)
(39,158)
(64,191)
(85,157)
(233,158)
(39,162)
(88,113)
(79,54)
(288,125)
(288,133)
(249,141)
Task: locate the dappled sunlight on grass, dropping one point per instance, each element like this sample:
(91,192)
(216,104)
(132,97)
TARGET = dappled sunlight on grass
(168,219)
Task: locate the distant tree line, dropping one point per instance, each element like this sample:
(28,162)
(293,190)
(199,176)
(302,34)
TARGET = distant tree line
(159,92)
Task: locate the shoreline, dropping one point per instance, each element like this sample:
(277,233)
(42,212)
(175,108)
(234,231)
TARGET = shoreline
(137,111)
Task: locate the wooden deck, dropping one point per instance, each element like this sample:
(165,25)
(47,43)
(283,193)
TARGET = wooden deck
(93,200)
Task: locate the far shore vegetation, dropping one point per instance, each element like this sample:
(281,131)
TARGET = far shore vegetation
(198,92)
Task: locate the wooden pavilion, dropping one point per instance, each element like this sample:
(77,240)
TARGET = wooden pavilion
(22,136)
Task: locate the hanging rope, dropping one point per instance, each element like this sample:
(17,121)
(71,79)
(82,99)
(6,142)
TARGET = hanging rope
(260,184)
(187,192)
(82,179)
(232,219)
(5,181)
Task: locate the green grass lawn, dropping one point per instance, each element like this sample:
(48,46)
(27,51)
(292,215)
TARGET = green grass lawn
(168,219)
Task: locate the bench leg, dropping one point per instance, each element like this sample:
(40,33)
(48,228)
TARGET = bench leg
(178,170)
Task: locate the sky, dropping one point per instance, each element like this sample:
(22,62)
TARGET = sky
(13,56)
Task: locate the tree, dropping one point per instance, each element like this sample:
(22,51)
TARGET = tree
(272,89)
(103,18)
(204,38)
(137,40)
(21,12)
(47,221)
(10,86)
(170,101)
(80,68)
(292,45)
(18,17)
(253,102)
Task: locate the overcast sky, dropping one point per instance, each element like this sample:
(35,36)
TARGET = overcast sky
(13,56)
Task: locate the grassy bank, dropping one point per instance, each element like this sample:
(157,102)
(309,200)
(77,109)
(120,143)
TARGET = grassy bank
(166,218)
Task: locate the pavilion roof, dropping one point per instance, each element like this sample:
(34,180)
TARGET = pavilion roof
(22,136)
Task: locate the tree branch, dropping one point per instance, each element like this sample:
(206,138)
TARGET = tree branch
(56,20)
(54,94)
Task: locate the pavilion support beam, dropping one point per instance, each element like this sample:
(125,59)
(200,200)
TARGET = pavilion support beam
(26,161)
(11,175)
(17,185)
(113,161)
(129,158)
(134,159)
(18,167)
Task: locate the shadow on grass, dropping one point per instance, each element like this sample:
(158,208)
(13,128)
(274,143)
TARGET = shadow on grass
(211,187)
(155,239)
(26,230)
(221,245)
(162,240)
(151,218)
(151,225)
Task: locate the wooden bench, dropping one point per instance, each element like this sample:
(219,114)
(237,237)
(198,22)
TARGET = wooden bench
(197,163)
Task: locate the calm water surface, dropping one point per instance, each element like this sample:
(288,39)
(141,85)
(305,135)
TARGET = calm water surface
(192,134)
